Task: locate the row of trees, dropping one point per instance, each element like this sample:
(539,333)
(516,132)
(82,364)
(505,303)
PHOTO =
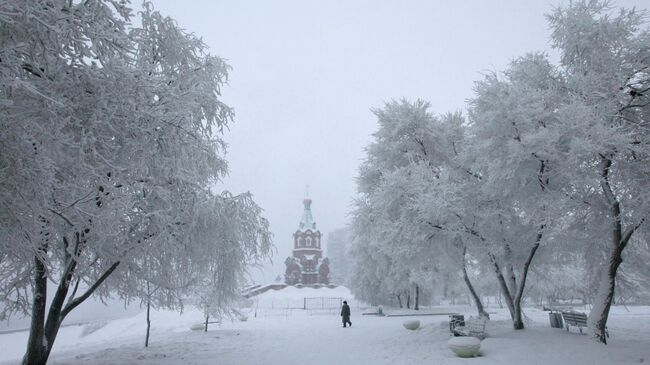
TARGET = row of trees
(110,141)
(550,169)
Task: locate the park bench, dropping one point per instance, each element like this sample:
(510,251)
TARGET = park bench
(474,327)
(456,320)
(576,319)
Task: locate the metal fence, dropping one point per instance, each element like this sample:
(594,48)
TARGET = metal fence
(322,303)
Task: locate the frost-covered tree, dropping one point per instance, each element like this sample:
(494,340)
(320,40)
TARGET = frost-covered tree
(550,155)
(444,210)
(229,235)
(516,145)
(371,266)
(111,137)
(412,151)
(605,59)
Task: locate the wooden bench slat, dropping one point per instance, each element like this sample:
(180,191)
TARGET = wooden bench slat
(575,319)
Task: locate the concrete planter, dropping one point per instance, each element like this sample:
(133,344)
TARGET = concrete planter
(197,327)
(412,325)
(465,346)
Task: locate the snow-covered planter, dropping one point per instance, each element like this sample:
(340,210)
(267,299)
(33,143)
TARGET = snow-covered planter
(197,326)
(243,318)
(412,325)
(465,346)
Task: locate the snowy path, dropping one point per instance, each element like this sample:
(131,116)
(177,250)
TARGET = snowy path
(319,339)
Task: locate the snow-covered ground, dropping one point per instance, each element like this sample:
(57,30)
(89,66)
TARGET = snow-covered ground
(295,336)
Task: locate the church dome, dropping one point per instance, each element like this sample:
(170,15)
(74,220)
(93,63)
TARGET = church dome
(307,221)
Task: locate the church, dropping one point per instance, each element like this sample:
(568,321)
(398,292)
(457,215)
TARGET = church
(307,265)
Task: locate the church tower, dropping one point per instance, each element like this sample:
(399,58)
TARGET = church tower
(307,265)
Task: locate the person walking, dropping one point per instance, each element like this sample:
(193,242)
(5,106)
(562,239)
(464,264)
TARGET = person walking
(345,314)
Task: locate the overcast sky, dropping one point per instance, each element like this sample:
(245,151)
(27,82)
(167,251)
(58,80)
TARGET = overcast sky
(307,73)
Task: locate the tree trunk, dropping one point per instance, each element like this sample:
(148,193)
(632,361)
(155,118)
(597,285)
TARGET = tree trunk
(146,339)
(55,315)
(207,317)
(477,299)
(35,354)
(505,292)
(408,300)
(518,322)
(503,284)
(510,270)
(417,297)
(399,300)
(599,314)
(45,335)
(511,278)
(514,299)
(603,302)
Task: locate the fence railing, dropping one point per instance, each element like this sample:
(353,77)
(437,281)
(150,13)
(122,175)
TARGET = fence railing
(322,303)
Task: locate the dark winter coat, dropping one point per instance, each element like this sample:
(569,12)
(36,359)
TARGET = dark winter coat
(345,313)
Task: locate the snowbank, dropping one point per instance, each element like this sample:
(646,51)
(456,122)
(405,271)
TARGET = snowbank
(292,297)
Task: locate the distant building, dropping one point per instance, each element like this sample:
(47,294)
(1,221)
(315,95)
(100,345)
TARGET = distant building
(307,265)
(339,242)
